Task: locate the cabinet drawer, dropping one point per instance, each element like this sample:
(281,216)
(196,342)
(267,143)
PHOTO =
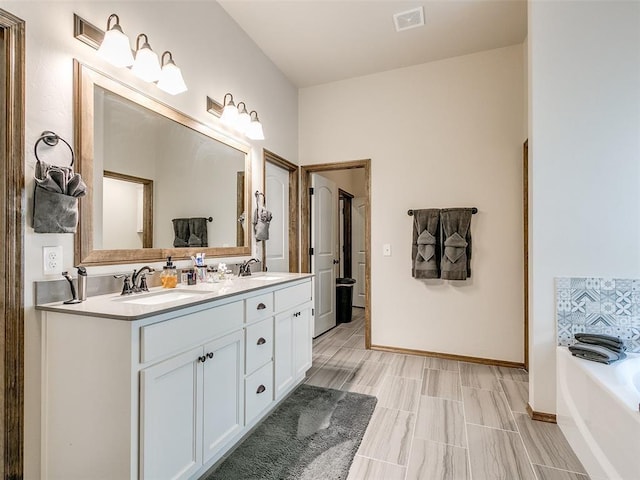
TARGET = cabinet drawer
(292,296)
(260,306)
(259,348)
(258,392)
(177,334)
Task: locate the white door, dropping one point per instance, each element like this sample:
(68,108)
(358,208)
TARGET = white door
(171,427)
(277,200)
(223,390)
(358,250)
(324,209)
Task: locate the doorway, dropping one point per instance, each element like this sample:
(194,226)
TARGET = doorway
(280,252)
(12,68)
(305,202)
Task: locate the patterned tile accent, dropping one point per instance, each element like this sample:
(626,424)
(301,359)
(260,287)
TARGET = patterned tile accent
(598,305)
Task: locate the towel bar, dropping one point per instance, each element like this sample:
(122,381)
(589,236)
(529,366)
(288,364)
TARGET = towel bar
(474,210)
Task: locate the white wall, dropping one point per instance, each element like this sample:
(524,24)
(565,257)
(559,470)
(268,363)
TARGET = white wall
(215,56)
(584,131)
(442,134)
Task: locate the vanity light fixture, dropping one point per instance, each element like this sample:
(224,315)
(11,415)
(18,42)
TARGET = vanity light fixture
(229,110)
(115,46)
(171,80)
(244,119)
(254,130)
(146,65)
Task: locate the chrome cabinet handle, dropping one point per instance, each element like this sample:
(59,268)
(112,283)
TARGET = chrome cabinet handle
(261,389)
(202,359)
(261,306)
(261,341)
(210,355)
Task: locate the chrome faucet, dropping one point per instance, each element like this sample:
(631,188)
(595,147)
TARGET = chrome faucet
(140,286)
(245,267)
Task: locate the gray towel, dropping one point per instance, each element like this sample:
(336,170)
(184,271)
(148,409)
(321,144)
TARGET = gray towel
(456,233)
(425,249)
(595,353)
(261,221)
(55,199)
(198,232)
(608,341)
(181,230)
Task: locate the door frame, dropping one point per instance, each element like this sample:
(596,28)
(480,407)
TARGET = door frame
(525,226)
(345,253)
(12,394)
(305,201)
(294,211)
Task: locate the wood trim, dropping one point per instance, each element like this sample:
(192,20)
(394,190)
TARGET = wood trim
(294,211)
(541,416)
(87,32)
(85,80)
(449,356)
(147,203)
(12,394)
(525,224)
(346,254)
(305,227)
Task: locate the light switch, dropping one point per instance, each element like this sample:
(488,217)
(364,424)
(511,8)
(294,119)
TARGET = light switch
(386,250)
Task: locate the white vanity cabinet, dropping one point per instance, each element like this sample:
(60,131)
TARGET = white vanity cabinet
(190,406)
(166,395)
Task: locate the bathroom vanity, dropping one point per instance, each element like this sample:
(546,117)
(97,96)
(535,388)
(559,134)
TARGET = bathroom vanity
(162,384)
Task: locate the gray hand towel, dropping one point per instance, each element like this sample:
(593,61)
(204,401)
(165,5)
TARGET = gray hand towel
(425,254)
(595,353)
(181,231)
(261,221)
(198,232)
(608,341)
(456,232)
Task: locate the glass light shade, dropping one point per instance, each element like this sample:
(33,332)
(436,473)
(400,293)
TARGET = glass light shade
(254,130)
(146,65)
(115,48)
(171,80)
(244,119)
(229,113)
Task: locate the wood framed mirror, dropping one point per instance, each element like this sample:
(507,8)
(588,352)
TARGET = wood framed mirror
(197,174)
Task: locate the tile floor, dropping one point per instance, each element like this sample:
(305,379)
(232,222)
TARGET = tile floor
(440,419)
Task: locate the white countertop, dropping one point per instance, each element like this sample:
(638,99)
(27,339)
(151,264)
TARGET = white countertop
(129,307)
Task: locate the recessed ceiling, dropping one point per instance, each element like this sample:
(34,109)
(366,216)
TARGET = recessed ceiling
(320,41)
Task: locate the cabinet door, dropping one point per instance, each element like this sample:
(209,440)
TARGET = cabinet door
(170,423)
(302,341)
(283,354)
(223,392)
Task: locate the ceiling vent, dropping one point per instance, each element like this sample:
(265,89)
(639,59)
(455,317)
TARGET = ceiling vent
(409,19)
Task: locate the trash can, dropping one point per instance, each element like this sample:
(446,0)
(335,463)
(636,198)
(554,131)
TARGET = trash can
(344,299)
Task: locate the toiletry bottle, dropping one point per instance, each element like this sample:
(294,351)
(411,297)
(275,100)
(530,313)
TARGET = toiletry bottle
(169,277)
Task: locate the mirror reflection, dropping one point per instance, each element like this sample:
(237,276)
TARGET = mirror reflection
(194,178)
(161,182)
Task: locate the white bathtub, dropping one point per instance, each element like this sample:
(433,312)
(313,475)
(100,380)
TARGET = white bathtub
(598,412)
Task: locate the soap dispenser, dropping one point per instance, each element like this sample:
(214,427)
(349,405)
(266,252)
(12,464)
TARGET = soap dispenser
(169,277)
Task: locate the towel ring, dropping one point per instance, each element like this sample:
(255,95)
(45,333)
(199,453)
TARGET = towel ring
(51,139)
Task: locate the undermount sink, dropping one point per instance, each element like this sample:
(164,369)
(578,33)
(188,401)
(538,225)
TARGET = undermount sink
(161,297)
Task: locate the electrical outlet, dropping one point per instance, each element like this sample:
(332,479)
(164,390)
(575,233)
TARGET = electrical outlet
(386,250)
(52,259)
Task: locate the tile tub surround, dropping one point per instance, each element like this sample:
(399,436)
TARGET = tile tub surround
(598,305)
(438,418)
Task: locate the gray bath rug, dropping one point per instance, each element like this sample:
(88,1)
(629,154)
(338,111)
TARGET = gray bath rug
(314,434)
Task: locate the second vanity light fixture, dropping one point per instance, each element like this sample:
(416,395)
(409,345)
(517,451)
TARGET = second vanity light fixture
(115,48)
(237,117)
